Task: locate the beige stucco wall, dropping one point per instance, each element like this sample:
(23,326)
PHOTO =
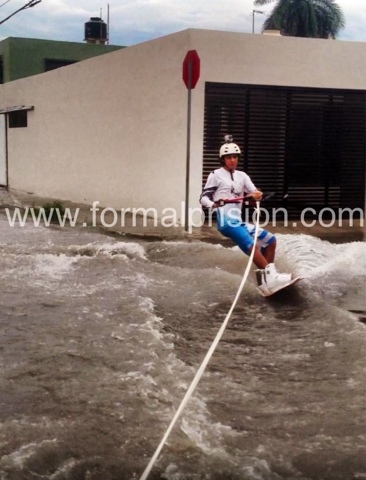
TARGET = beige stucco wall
(272,60)
(110,129)
(113,128)
(277,60)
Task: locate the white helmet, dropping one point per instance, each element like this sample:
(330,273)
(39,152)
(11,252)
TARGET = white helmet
(229,148)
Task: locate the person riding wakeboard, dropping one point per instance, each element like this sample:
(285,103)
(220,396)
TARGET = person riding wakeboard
(224,191)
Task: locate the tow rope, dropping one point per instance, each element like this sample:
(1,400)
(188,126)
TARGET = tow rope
(208,356)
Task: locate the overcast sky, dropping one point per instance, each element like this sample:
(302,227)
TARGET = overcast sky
(135,21)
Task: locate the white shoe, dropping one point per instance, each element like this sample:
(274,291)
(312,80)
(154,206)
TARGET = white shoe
(274,280)
(262,282)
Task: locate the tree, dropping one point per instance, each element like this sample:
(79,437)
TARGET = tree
(305,18)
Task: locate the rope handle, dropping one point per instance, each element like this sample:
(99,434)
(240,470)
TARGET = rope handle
(225,201)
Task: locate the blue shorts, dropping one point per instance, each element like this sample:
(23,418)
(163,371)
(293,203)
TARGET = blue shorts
(242,233)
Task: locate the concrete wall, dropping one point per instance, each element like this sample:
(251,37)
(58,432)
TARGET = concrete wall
(113,128)
(110,129)
(282,61)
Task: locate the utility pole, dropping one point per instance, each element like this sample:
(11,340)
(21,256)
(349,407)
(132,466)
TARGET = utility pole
(254,12)
(30,4)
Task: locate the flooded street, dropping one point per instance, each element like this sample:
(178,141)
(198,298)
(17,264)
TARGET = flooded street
(102,336)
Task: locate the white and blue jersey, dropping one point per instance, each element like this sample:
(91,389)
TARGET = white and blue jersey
(222,184)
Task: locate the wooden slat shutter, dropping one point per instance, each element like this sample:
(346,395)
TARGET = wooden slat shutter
(307,145)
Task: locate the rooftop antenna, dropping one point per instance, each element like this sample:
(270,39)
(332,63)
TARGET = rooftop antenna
(101,16)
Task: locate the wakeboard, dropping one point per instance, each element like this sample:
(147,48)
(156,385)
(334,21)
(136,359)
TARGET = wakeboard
(282,287)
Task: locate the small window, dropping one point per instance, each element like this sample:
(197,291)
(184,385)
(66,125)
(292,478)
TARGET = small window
(51,64)
(18,119)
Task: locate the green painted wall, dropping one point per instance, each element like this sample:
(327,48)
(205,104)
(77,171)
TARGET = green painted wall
(23,57)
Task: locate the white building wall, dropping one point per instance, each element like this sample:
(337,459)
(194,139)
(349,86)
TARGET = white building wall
(110,129)
(242,58)
(113,128)
(281,61)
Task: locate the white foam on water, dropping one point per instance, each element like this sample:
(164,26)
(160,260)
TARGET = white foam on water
(64,469)
(312,257)
(130,250)
(163,379)
(19,457)
(206,435)
(53,266)
(348,260)
(251,468)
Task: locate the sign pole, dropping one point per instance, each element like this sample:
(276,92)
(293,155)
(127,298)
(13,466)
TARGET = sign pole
(188,157)
(191,74)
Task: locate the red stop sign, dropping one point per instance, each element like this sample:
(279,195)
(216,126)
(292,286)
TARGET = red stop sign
(191,69)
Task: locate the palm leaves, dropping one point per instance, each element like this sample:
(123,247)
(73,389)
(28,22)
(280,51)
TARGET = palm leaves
(305,18)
